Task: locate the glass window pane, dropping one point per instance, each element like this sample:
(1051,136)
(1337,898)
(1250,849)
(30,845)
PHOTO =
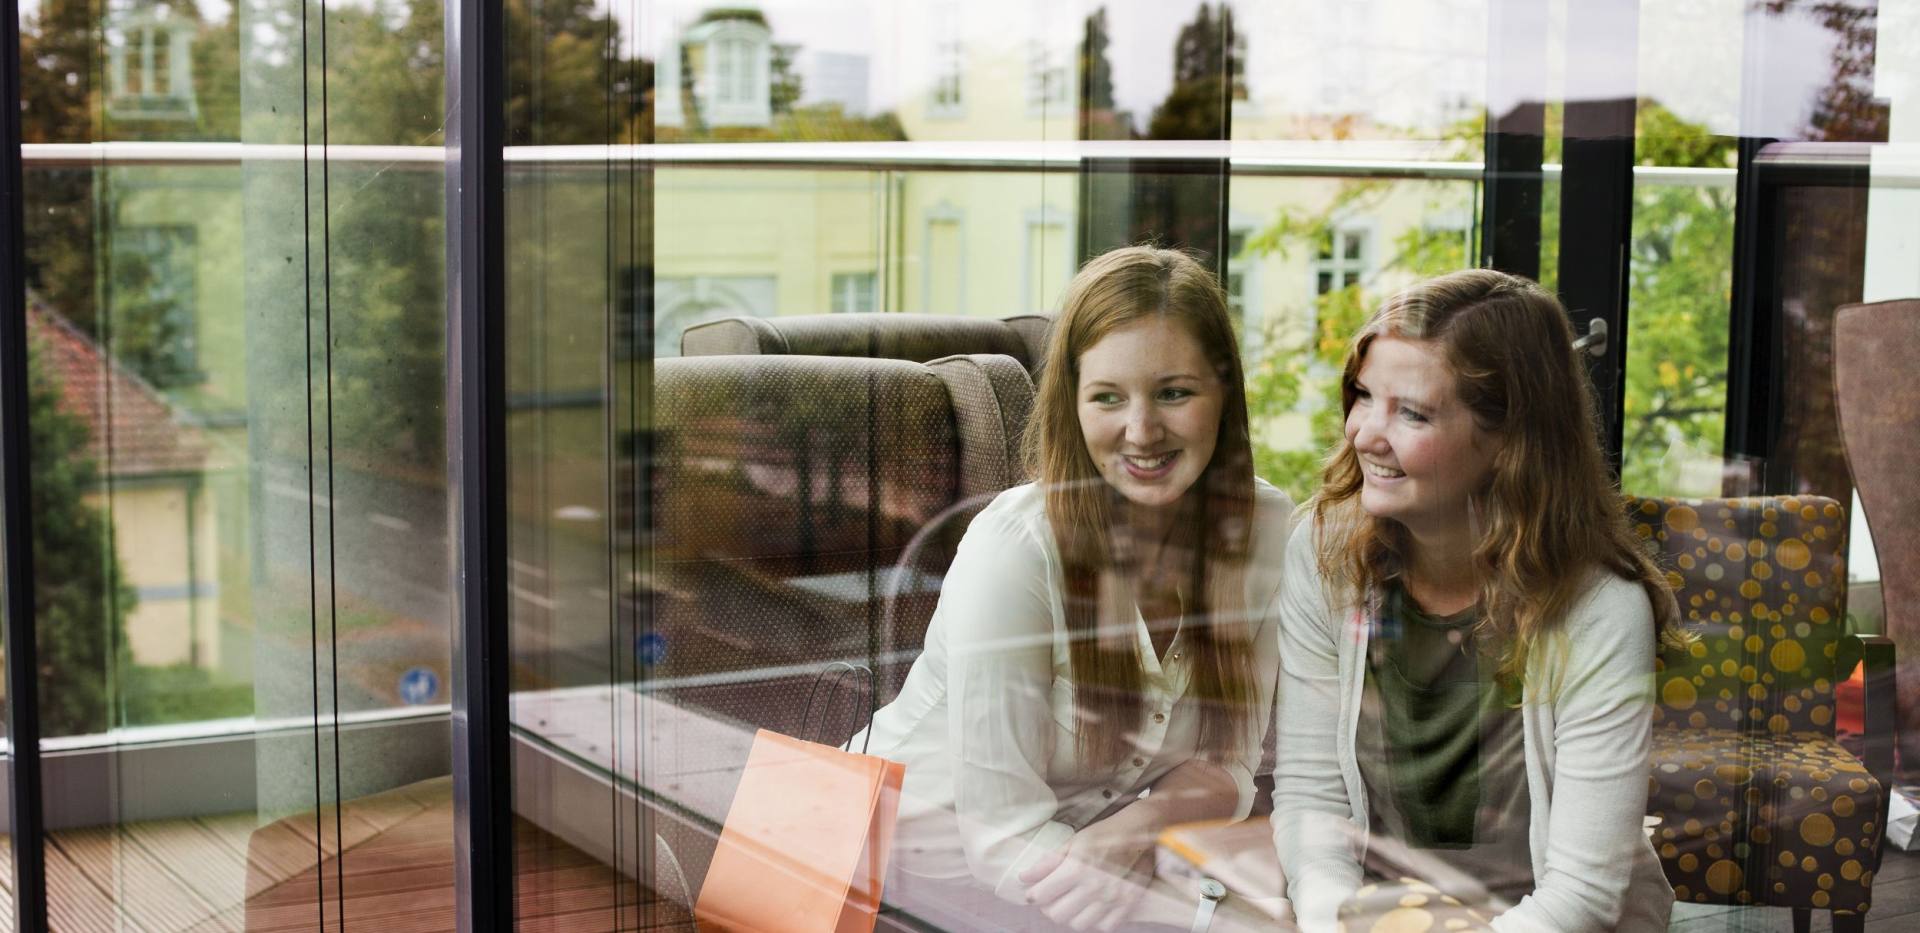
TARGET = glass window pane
(238,361)
(740,237)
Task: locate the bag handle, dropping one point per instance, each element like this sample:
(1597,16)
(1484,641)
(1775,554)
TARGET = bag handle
(837,671)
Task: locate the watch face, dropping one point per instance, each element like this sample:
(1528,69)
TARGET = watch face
(1213,889)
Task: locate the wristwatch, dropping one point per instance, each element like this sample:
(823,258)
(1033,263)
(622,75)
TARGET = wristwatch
(1211,893)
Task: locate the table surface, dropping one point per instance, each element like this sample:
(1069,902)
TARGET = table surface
(692,760)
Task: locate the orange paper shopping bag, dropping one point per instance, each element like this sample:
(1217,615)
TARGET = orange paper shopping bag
(805,844)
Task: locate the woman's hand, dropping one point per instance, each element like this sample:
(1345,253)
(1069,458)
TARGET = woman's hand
(1097,878)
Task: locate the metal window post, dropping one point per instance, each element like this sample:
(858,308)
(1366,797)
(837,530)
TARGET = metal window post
(476,467)
(22,648)
(1596,196)
(1515,136)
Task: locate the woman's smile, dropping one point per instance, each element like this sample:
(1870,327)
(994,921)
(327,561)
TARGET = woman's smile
(1150,467)
(1380,471)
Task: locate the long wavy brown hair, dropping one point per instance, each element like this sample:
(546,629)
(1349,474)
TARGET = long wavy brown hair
(1112,291)
(1549,511)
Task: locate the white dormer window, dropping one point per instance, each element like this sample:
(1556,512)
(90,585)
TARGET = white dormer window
(730,60)
(150,65)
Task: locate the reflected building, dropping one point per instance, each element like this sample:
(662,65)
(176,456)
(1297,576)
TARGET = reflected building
(152,463)
(719,73)
(803,241)
(150,64)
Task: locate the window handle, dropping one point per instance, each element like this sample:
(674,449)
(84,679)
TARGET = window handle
(1595,342)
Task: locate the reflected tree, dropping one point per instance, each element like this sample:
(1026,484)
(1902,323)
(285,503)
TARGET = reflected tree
(784,82)
(57,44)
(80,601)
(1209,71)
(64,52)
(1821,267)
(1098,117)
(1680,293)
(1845,109)
(387,230)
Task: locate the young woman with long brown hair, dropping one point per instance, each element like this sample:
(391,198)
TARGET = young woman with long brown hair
(1468,627)
(1102,632)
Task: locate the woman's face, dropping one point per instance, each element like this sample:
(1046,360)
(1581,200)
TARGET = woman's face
(1149,406)
(1421,452)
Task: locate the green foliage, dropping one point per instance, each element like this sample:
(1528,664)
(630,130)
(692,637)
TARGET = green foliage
(783,83)
(80,601)
(1680,293)
(57,106)
(830,123)
(152,695)
(1680,269)
(1300,373)
(746,13)
(1192,110)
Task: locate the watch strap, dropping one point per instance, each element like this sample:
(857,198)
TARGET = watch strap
(1211,893)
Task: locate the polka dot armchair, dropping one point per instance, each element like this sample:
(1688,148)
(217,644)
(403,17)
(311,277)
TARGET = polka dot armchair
(1758,803)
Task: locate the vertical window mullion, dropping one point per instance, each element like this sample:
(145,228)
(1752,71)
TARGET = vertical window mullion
(1596,197)
(1516,136)
(476,385)
(22,668)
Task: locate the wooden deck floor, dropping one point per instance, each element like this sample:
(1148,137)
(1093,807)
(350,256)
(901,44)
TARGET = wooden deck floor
(221,874)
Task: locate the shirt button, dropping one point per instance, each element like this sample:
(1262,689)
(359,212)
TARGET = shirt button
(1139,762)
(1159,717)
(1107,794)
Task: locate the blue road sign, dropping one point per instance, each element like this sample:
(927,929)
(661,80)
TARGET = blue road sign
(419,685)
(650,648)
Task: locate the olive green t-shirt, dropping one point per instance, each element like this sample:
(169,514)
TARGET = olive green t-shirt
(1440,745)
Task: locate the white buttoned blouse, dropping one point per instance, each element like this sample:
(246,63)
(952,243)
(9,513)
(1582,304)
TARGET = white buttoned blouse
(985,721)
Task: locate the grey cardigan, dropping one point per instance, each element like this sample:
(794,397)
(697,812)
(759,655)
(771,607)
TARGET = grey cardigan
(1587,726)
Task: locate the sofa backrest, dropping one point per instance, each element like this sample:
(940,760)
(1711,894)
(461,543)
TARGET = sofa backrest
(786,489)
(916,337)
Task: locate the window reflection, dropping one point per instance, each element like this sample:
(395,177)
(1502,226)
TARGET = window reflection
(223,498)
(239,364)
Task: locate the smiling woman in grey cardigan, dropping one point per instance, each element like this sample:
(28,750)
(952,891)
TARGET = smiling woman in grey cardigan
(1468,629)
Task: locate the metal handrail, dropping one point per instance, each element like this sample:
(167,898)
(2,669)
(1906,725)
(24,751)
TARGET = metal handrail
(1244,158)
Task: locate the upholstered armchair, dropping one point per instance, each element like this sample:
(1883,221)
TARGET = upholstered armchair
(1758,804)
(1876,390)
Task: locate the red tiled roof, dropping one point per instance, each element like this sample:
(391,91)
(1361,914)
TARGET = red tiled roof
(144,436)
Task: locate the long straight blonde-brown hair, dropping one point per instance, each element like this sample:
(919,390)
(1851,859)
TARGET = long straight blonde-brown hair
(1110,292)
(1549,511)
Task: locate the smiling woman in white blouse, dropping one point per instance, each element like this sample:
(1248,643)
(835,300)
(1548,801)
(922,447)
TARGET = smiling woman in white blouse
(1468,631)
(1100,664)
